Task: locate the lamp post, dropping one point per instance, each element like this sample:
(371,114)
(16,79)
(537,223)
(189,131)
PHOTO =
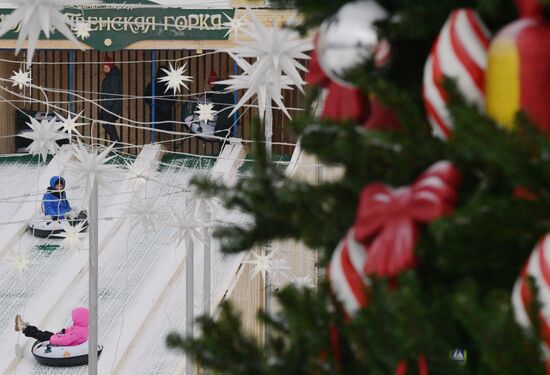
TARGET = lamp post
(207,260)
(189,295)
(93,283)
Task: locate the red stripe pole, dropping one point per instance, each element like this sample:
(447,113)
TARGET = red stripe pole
(475,71)
(353,278)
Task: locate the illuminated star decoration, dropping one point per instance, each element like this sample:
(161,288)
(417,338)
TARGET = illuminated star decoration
(202,204)
(278,270)
(265,263)
(233,25)
(208,204)
(205,111)
(140,171)
(21,78)
(266,90)
(69,124)
(44,136)
(260,264)
(91,165)
(82,30)
(188,223)
(72,235)
(276,52)
(36,16)
(145,211)
(175,78)
(19,260)
(302,282)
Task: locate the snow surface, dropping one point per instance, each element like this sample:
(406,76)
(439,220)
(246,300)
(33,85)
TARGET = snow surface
(141,274)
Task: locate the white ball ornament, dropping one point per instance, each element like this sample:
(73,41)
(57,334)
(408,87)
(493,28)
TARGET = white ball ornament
(349,38)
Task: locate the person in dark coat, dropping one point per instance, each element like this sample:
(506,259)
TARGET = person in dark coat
(223,105)
(111,98)
(164,103)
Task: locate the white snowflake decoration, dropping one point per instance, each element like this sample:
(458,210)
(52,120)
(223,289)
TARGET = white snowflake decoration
(276,50)
(44,136)
(36,16)
(302,282)
(82,29)
(188,224)
(266,263)
(91,165)
(276,67)
(278,271)
(72,235)
(205,111)
(21,78)
(203,204)
(70,124)
(19,260)
(145,212)
(234,25)
(140,171)
(267,90)
(175,78)
(208,204)
(292,21)
(260,263)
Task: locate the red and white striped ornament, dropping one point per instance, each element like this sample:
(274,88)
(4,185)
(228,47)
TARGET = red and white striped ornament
(347,275)
(382,239)
(382,53)
(538,267)
(460,52)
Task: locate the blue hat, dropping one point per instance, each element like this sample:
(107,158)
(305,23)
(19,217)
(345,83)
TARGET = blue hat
(55,179)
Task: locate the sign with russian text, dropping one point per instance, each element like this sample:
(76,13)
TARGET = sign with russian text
(115,27)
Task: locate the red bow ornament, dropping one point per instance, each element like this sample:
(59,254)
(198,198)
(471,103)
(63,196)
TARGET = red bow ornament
(381,241)
(387,219)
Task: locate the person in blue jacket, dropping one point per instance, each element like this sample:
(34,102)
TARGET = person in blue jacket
(54,202)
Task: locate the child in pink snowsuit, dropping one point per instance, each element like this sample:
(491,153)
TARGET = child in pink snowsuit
(70,336)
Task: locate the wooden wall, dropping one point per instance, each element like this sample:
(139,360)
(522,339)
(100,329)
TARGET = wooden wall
(51,70)
(248,296)
(7,110)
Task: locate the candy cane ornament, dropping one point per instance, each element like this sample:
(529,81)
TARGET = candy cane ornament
(460,53)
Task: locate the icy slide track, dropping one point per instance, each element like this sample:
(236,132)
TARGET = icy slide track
(141,275)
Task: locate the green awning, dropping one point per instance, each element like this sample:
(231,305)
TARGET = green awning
(113,27)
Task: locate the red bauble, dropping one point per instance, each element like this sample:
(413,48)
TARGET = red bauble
(529,8)
(341,102)
(381,117)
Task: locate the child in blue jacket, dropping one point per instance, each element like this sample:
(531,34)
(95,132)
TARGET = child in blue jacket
(54,202)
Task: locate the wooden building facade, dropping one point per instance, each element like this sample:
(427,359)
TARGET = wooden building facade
(71,79)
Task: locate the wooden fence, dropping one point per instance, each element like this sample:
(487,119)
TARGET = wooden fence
(72,80)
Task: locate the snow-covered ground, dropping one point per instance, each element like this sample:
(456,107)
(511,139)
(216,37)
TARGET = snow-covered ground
(141,273)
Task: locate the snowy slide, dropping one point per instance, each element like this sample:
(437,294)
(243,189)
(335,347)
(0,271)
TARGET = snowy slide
(142,280)
(57,289)
(22,213)
(229,161)
(160,308)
